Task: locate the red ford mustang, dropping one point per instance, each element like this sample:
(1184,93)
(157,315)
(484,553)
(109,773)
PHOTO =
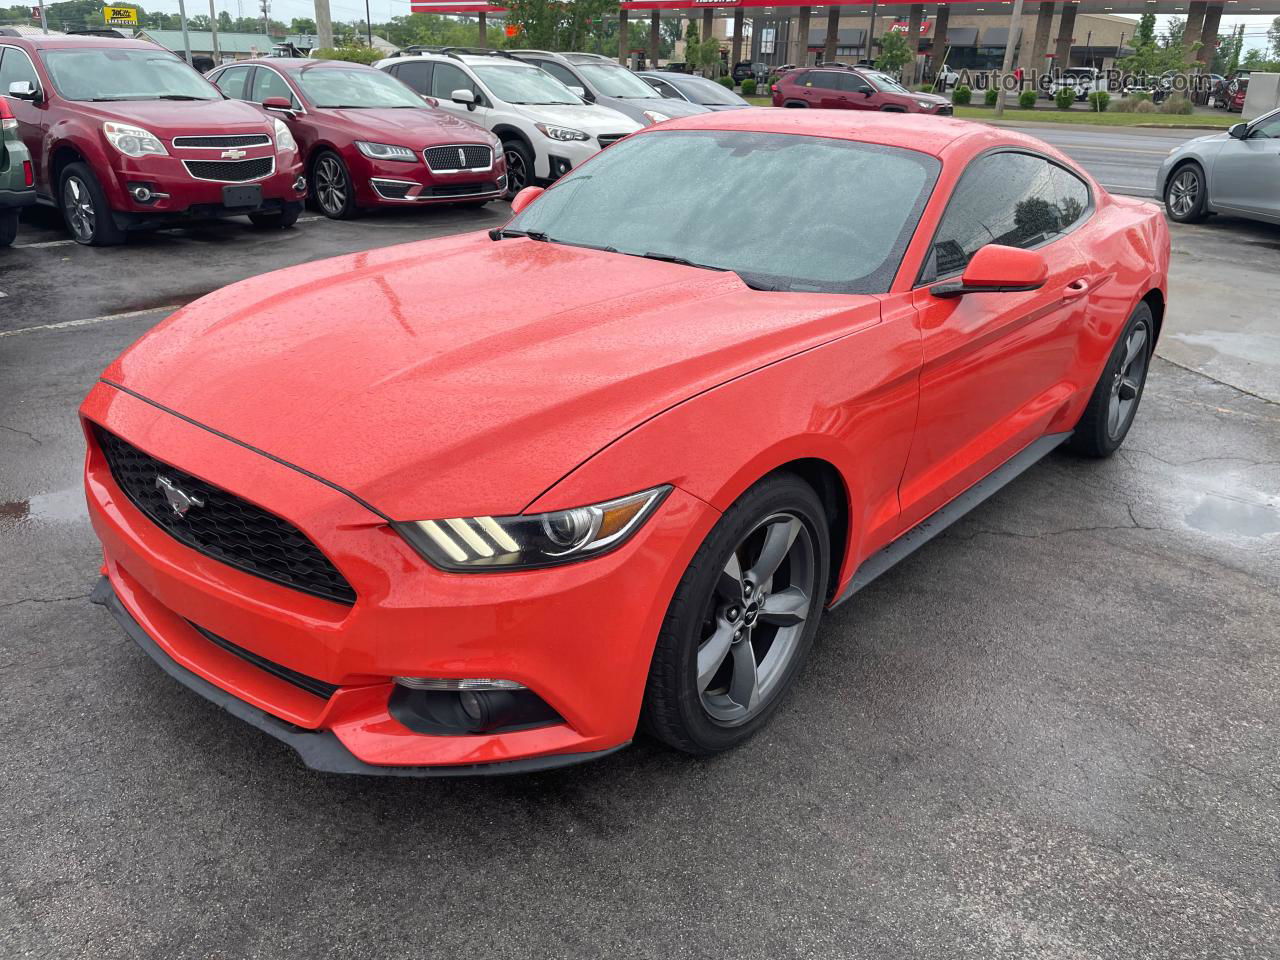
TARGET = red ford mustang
(484,503)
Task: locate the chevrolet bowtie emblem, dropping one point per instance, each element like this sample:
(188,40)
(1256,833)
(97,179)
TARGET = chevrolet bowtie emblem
(179,500)
(232,154)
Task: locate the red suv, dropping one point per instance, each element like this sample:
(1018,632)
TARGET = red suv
(841,88)
(124,135)
(367,139)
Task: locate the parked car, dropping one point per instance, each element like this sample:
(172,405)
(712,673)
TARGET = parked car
(1235,172)
(1083,80)
(124,135)
(699,90)
(946,79)
(1237,93)
(605,82)
(17,178)
(853,89)
(458,532)
(677,66)
(749,70)
(368,140)
(545,129)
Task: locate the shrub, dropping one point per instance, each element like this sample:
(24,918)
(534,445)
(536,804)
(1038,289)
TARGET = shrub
(1027,99)
(1139,95)
(1098,100)
(352,54)
(1145,106)
(773,82)
(1177,104)
(991,97)
(726,82)
(749,87)
(1064,98)
(1126,105)
(961,96)
(924,87)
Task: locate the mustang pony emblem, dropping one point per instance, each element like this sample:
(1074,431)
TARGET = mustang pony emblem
(179,500)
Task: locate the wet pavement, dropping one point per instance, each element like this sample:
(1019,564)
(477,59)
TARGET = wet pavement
(1052,732)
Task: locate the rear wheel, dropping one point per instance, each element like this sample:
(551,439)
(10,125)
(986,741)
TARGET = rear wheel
(742,619)
(8,227)
(1114,403)
(84,208)
(332,188)
(1185,196)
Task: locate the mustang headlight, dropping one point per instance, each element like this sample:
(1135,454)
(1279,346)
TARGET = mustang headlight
(284,139)
(385,151)
(133,141)
(479,544)
(560,133)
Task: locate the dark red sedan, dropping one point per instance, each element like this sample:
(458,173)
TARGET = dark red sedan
(842,88)
(368,140)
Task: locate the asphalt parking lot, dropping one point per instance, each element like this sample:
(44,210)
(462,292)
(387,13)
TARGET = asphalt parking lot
(1050,733)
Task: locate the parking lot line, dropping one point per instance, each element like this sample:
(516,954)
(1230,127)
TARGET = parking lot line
(65,324)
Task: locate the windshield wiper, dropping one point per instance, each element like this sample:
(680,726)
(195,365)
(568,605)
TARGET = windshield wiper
(497,233)
(179,96)
(683,261)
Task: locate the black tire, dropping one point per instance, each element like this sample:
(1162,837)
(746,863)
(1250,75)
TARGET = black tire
(1186,194)
(8,227)
(331,186)
(796,105)
(520,165)
(675,709)
(85,210)
(280,220)
(1104,425)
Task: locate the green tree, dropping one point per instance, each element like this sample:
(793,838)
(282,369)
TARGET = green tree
(1273,35)
(708,58)
(895,52)
(302,25)
(1174,32)
(1145,35)
(224,22)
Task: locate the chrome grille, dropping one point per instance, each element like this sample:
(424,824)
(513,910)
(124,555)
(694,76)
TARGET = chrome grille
(223,142)
(462,156)
(231,171)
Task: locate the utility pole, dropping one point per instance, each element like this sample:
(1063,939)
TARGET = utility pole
(871,33)
(213,30)
(266,21)
(1015,30)
(368,24)
(324,24)
(186,40)
(44,24)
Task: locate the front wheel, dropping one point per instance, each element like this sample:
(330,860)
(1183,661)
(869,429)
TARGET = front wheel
(332,188)
(742,619)
(8,227)
(1114,403)
(84,208)
(519,166)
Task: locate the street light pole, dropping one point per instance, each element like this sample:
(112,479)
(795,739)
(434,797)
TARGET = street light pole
(186,40)
(213,31)
(44,24)
(368,24)
(1015,30)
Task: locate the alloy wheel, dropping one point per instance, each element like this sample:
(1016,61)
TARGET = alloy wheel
(78,204)
(1126,384)
(1184,192)
(756,618)
(517,174)
(331,186)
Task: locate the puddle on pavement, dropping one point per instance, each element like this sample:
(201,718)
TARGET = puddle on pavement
(1222,515)
(62,506)
(1252,346)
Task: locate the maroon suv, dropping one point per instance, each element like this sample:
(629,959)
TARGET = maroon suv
(843,88)
(124,135)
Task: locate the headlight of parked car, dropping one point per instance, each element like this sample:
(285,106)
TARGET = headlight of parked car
(385,151)
(133,141)
(479,544)
(284,139)
(655,117)
(561,133)
(925,104)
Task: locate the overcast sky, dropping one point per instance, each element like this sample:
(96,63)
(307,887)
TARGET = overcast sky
(382,10)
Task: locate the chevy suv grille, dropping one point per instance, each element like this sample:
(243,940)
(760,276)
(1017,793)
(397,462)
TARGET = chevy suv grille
(231,171)
(224,142)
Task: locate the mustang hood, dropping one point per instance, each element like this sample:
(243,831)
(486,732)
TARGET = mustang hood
(464,376)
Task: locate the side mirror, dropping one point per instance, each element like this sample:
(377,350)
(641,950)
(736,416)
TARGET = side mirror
(524,198)
(24,90)
(429,101)
(578,92)
(1237,131)
(998,269)
(866,91)
(464,97)
(278,104)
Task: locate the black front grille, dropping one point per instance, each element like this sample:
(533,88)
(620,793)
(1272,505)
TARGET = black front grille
(231,171)
(461,157)
(225,142)
(310,684)
(607,139)
(945,111)
(222,525)
(464,189)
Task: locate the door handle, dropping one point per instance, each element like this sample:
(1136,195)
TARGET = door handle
(1075,290)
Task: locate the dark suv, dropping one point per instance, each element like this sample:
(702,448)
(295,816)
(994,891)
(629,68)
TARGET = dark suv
(836,88)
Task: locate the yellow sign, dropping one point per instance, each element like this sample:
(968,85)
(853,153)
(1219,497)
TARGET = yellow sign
(120,15)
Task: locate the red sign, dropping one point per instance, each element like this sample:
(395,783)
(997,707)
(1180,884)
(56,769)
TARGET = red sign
(904,26)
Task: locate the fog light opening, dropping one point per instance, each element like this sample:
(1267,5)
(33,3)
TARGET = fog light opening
(455,710)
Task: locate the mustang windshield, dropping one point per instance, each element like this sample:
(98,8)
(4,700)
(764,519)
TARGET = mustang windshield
(784,212)
(103,73)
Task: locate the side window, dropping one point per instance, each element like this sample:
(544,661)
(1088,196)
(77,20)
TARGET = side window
(447,78)
(822,80)
(268,83)
(1014,199)
(1266,128)
(852,83)
(416,74)
(231,82)
(14,68)
(560,72)
(666,89)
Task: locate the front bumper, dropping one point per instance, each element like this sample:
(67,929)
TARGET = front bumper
(579,636)
(176,193)
(392,183)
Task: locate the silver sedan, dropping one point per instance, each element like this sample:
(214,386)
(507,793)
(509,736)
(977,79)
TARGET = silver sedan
(1237,173)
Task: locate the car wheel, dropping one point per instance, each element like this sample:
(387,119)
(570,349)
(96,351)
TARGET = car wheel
(332,187)
(1185,196)
(84,208)
(279,220)
(519,165)
(796,105)
(742,619)
(1115,398)
(8,227)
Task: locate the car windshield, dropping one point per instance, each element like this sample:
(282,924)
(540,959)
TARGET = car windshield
(792,236)
(524,85)
(885,83)
(355,87)
(706,92)
(105,73)
(612,80)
